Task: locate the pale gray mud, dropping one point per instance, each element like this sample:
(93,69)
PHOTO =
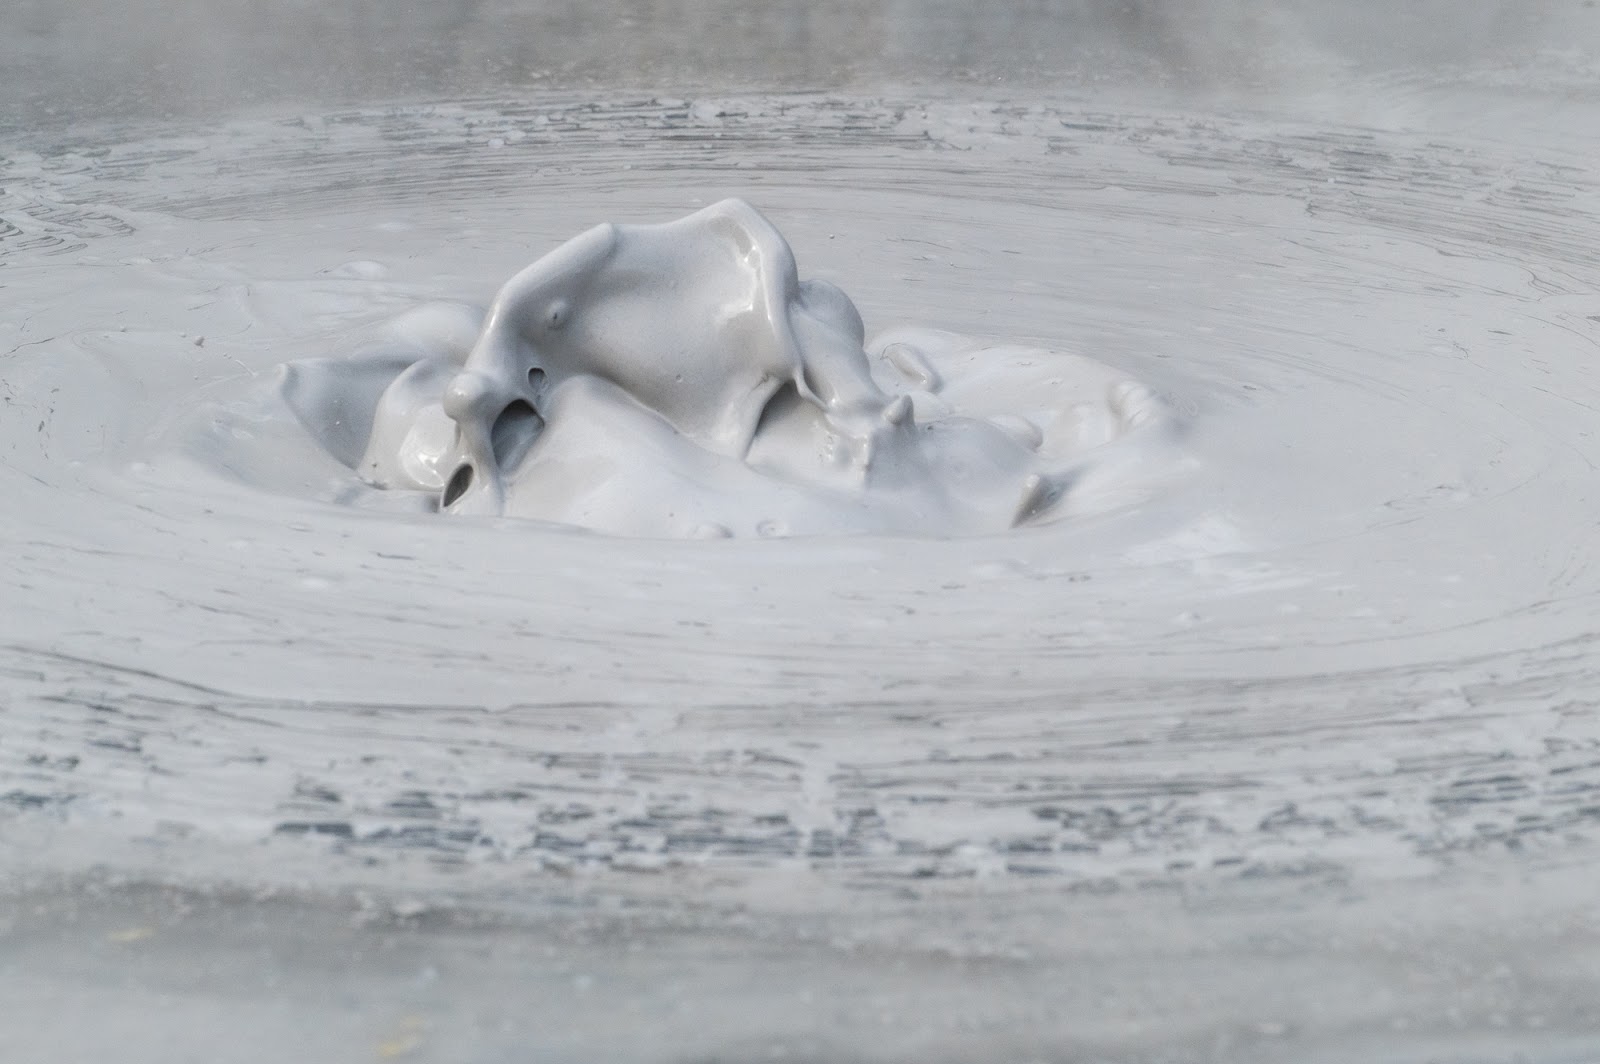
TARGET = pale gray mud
(1296,758)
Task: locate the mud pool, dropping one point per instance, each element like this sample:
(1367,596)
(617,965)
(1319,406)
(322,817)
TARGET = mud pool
(1294,757)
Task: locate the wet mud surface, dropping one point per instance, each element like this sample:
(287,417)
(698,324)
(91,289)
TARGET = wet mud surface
(1297,760)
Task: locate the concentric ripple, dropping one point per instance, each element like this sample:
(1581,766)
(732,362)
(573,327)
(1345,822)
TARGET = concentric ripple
(1356,640)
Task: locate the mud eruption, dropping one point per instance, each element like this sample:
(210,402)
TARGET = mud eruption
(681,380)
(1275,737)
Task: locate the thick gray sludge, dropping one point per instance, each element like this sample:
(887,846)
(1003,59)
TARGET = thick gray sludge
(1261,727)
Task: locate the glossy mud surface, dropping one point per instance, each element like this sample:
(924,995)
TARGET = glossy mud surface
(1297,761)
(680,380)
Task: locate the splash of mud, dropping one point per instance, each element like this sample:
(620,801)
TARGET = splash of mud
(680,380)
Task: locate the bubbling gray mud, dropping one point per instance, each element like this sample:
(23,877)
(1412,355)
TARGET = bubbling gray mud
(1380,391)
(681,380)
(1349,648)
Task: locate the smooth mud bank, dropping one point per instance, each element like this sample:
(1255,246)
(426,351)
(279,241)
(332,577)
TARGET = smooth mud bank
(1293,759)
(205,60)
(257,976)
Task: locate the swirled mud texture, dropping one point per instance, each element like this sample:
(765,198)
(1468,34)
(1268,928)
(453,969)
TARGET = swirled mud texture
(1293,758)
